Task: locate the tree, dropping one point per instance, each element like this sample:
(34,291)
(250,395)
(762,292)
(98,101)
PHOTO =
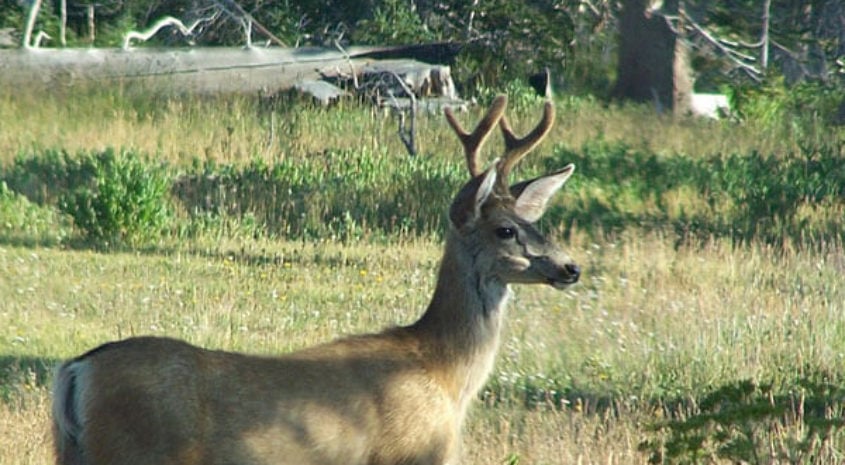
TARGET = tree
(653,64)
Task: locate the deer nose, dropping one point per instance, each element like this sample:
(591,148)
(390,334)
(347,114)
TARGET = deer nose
(573,270)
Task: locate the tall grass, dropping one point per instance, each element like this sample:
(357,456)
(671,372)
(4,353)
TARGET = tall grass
(241,129)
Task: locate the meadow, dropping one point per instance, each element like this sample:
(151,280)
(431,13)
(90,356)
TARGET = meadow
(707,327)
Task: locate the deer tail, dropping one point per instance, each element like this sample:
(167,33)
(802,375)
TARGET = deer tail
(67,414)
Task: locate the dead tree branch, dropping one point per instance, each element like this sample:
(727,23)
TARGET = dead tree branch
(36,42)
(737,58)
(406,135)
(162,23)
(346,56)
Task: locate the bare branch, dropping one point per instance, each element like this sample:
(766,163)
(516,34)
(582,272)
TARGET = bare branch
(162,23)
(792,56)
(739,43)
(670,21)
(348,60)
(592,8)
(731,54)
(36,42)
(471,18)
(407,136)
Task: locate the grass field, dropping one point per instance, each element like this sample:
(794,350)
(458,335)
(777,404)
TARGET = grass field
(700,350)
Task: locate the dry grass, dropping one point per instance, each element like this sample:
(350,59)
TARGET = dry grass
(26,432)
(240,129)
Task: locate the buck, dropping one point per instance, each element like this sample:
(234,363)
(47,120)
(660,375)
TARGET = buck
(396,397)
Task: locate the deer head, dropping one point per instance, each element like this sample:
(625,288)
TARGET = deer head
(497,218)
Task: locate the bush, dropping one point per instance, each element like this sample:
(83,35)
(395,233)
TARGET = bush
(802,109)
(745,196)
(125,201)
(43,178)
(394,22)
(22,221)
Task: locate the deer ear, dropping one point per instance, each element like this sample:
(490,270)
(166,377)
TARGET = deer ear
(532,196)
(466,208)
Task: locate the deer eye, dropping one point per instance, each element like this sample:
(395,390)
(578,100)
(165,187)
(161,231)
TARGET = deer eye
(505,232)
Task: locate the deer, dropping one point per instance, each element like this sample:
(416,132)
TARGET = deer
(399,396)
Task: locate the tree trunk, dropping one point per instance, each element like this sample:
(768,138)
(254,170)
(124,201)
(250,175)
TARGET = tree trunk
(653,62)
(63,23)
(91,27)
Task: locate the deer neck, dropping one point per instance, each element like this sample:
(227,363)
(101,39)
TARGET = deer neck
(459,331)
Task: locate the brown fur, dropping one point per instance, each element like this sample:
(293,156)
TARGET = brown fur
(396,397)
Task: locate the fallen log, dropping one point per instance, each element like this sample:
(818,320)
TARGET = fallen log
(199,70)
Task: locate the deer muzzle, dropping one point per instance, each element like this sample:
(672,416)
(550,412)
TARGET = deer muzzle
(558,273)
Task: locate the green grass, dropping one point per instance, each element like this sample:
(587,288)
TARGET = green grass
(712,257)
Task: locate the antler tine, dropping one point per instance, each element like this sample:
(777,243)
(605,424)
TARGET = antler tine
(516,148)
(473,141)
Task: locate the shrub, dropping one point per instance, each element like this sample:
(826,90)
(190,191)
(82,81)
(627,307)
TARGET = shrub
(125,201)
(393,22)
(22,221)
(745,196)
(43,178)
(802,109)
